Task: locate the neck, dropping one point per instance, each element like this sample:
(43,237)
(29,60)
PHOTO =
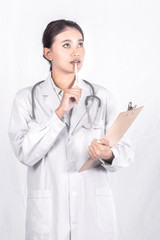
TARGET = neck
(63,80)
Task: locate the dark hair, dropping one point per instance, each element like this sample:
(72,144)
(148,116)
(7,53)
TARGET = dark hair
(53,29)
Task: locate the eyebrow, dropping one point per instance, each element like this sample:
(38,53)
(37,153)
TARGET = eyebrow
(68,40)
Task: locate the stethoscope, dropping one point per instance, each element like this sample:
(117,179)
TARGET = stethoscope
(89,98)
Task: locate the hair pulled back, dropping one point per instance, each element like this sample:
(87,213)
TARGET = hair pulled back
(53,29)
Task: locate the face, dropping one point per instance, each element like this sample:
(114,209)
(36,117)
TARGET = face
(67,48)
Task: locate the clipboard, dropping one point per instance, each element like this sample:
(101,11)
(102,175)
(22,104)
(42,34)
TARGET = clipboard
(115,133)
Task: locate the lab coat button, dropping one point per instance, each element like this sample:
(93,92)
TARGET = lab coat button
(70,137)
(72,166)
(74,193)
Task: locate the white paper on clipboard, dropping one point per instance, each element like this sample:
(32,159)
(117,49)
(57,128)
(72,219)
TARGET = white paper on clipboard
(115,133)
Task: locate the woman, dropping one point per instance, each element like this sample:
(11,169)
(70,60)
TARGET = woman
(63,203)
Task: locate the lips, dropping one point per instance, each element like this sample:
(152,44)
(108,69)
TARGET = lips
(76,61)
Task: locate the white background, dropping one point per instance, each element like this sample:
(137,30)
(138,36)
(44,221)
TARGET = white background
(122,40)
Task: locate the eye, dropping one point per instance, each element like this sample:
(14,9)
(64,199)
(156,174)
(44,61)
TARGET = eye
(66,45)
(81,44)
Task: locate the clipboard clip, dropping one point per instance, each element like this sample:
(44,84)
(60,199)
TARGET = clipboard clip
(130,107)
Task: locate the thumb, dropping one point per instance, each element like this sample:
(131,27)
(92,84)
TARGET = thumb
(105,142)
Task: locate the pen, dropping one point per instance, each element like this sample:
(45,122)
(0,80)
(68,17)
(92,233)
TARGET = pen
(76,75)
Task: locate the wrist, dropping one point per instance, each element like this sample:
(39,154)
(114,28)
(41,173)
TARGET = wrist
(110,159)
(60,112)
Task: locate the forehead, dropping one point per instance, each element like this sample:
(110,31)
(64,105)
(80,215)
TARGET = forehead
(68,33)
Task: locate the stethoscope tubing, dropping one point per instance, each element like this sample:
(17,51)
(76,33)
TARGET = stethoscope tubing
(32,99)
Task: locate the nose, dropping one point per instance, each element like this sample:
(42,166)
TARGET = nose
(75,54)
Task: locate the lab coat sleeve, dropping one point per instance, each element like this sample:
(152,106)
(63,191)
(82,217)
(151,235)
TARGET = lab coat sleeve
(123,154)
(31,141)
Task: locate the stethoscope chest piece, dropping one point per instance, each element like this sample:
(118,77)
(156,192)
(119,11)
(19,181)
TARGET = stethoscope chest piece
(92,104)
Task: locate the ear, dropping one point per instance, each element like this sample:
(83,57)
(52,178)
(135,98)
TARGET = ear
(47,53)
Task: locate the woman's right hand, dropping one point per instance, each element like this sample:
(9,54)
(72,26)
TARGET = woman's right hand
(70,97)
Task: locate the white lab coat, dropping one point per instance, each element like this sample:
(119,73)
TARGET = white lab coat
(63,204)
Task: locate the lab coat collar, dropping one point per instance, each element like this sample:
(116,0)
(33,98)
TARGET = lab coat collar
(50,96)
(78,111)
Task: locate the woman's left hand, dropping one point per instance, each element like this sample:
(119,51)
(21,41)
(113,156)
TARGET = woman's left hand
(100,149)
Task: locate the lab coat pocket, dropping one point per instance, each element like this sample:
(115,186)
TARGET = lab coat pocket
(38,218)
(99,124)
(97,129)
(106,218)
